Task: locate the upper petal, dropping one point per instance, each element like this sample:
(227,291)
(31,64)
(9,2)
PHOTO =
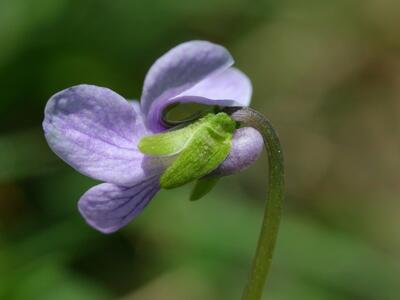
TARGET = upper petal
(231,84)
(96,131)
(181,68)
(108,207)
(230,87)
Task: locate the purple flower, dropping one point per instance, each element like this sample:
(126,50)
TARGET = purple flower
(97,131)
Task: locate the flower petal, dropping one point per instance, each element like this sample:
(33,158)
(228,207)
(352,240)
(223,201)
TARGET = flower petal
(230,87)
(181,68)
(230,84)
(96,131)
(108,207)
(247,145)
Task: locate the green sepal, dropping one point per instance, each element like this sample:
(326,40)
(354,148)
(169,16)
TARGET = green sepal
(208,146)
(202,187)
(170,142)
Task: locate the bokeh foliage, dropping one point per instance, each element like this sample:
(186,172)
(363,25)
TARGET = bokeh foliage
(326,73)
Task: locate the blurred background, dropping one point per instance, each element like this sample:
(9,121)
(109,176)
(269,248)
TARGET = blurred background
(326,73)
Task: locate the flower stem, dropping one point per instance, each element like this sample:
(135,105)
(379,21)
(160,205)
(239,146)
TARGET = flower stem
(272,213)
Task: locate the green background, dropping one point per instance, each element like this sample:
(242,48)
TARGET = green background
(326,73)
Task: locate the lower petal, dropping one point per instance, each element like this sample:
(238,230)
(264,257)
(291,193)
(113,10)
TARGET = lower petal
(108,207)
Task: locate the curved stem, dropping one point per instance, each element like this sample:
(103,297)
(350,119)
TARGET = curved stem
(272,214)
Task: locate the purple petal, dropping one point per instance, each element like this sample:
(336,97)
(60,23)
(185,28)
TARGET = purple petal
(247,145)
(181,68)
(108,207)
(230,84)
(96,131)
(227,88)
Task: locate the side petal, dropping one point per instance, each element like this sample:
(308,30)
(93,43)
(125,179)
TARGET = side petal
(96,131)
(230,87)
(181,68)
(108,207)
(247,145)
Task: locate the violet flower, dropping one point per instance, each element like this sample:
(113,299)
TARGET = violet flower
(97,131)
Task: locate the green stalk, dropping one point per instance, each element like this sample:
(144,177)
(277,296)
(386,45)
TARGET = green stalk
(273,208)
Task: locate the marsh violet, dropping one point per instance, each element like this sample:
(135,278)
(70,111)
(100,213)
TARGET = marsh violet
(119,142)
